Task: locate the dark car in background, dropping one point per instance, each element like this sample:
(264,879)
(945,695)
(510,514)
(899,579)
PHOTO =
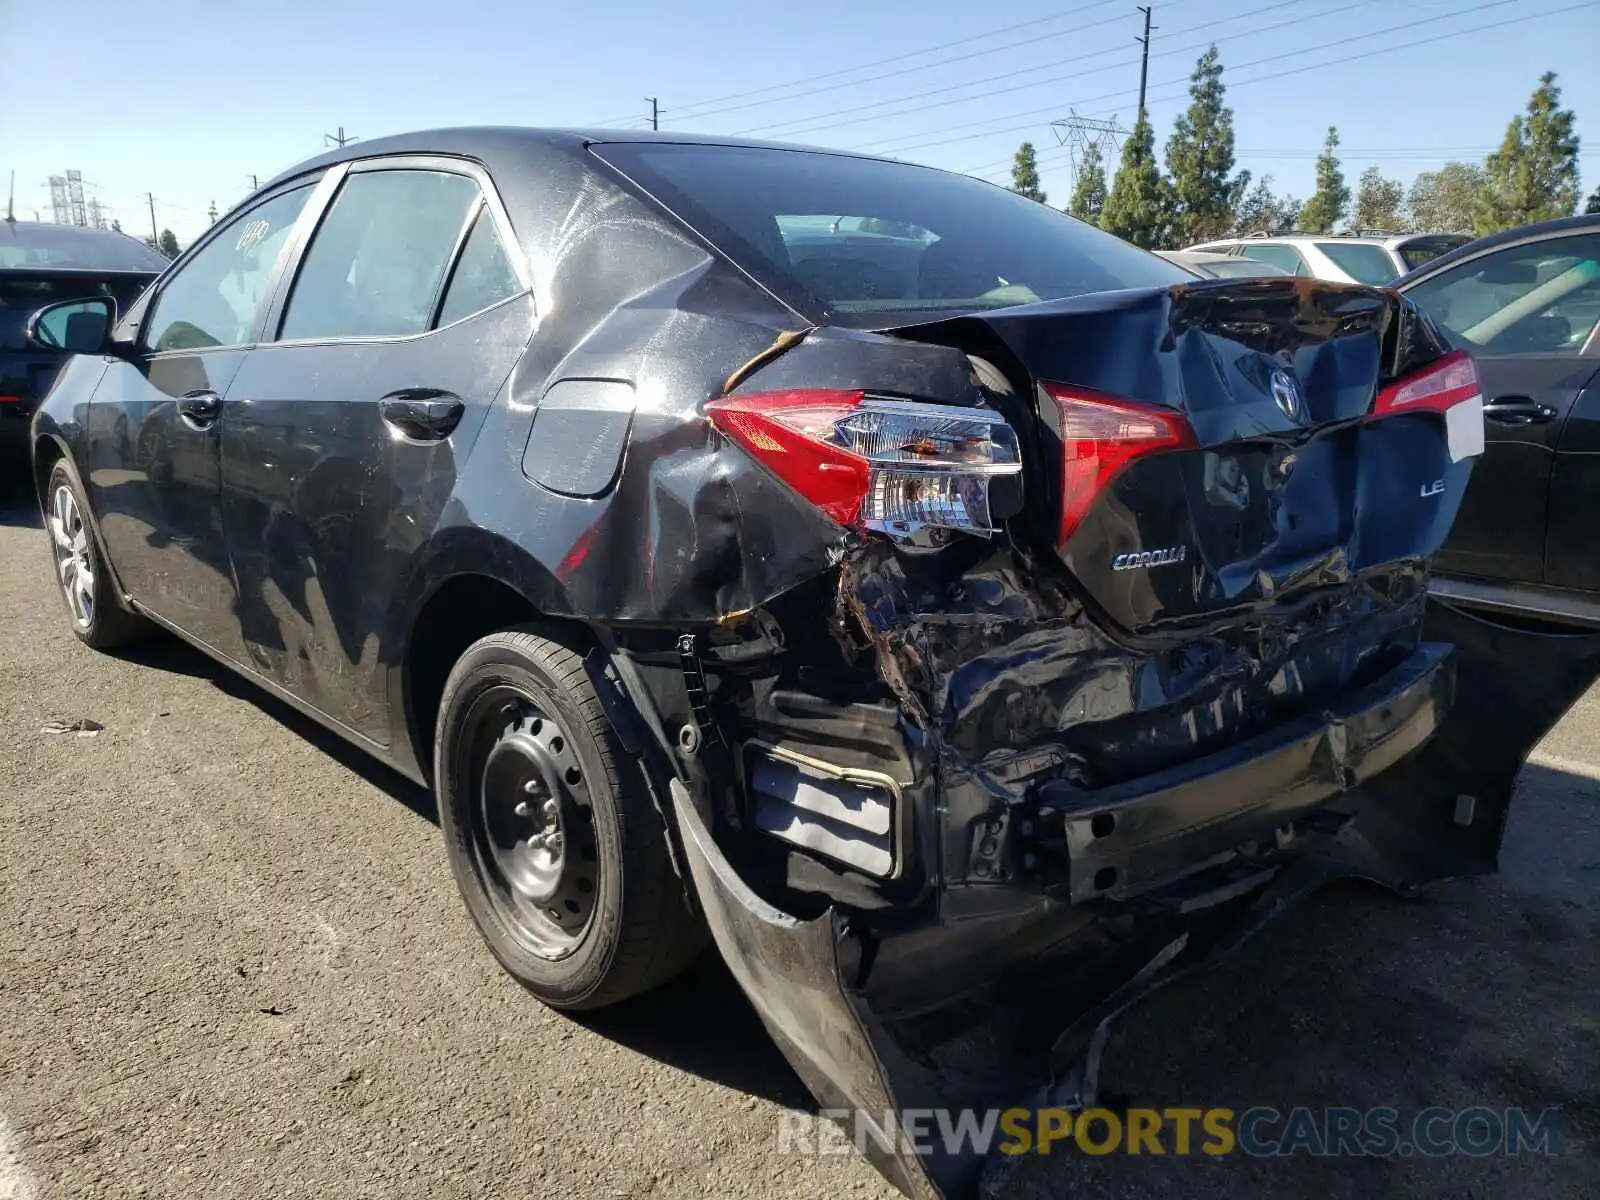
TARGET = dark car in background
(1526,304)
(40,264)
(964,639)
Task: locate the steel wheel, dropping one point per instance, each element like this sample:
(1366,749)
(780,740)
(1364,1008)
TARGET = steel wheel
(533,827)
(74,554)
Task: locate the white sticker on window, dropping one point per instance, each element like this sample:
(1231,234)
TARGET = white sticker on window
(1463,428)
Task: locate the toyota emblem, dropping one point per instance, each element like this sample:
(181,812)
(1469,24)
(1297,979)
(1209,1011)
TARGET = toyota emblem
(1286,394)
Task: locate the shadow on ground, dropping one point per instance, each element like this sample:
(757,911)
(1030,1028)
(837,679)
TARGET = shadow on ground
(166,653)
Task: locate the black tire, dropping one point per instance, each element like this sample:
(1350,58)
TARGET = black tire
(97,613)
(521,700)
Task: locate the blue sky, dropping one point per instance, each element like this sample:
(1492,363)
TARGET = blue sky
(186,100)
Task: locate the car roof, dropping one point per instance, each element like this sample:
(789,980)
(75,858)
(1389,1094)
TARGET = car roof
(1583,223)
(1299,236)
(44,246)
(486,143)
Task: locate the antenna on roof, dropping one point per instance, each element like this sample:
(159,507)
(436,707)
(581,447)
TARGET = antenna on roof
(11,200)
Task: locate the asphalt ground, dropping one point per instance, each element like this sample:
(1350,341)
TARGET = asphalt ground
(233,964)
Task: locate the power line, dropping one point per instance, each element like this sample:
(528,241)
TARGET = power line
(686,114)
(990,130)
(1055,68)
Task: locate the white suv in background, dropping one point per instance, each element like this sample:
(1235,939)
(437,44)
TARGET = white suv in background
(1340,258)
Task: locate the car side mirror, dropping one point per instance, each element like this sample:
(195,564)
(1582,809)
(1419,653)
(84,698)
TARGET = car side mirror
(76,326)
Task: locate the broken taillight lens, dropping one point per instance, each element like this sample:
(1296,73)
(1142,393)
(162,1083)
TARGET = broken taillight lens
(871,462)
(1100,435)
(1436,387)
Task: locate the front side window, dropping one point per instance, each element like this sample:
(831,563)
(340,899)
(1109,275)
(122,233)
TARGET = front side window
(1286,258)
(870,242)
(1541,298)
(215,297)
(378,258)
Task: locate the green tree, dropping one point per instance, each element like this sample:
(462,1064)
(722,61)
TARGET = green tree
(1332,197)
(168,244)
(1379,202)
(1442,201)
(1200,158)
(1138,205)
(1534,174)
(1259,210)
(1592,205)
(1025,173)
(1089,197)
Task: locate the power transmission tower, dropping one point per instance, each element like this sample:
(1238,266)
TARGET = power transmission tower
(655,113)
(80,214)
(212,212)
(1144,58)
(60,210)
(1078,134)
(335,139)
(97,213)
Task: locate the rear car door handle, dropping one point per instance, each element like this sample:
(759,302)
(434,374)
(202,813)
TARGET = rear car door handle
(422,414)
(199,409)
(1518,410)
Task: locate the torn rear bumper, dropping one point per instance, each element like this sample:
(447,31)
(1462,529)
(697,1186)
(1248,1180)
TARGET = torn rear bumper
(1000,997)
(1125,841)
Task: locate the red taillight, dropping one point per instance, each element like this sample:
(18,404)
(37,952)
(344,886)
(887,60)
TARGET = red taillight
(788,431)
(1100,435)
(1436,387)
(877,462)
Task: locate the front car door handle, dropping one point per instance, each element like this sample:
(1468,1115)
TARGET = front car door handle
(422,414)
(1518,410)
(199,409)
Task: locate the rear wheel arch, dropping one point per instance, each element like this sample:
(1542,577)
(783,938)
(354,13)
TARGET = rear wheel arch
(458,608)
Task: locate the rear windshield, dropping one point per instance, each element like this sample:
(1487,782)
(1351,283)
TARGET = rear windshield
(1421,250)
(869,242)
(21,294)
(26,244)
(1362,261)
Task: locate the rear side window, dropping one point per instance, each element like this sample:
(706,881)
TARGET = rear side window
(1362,261)
(1284,257)
(378,259)
(868,241)
(483,274)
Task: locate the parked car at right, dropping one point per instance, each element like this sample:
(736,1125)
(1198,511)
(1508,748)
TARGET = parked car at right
(1526,304)
(1373,259)
(41,264)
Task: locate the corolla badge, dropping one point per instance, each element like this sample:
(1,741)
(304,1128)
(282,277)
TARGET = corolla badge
(1286,394)
(1139,559)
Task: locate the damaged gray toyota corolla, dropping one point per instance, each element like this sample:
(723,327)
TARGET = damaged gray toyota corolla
(970,620)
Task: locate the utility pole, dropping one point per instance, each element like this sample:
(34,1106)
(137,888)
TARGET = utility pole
(155,234)
(255,184)
(335,139)
(655,113)
(11,200)
(1144,59)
